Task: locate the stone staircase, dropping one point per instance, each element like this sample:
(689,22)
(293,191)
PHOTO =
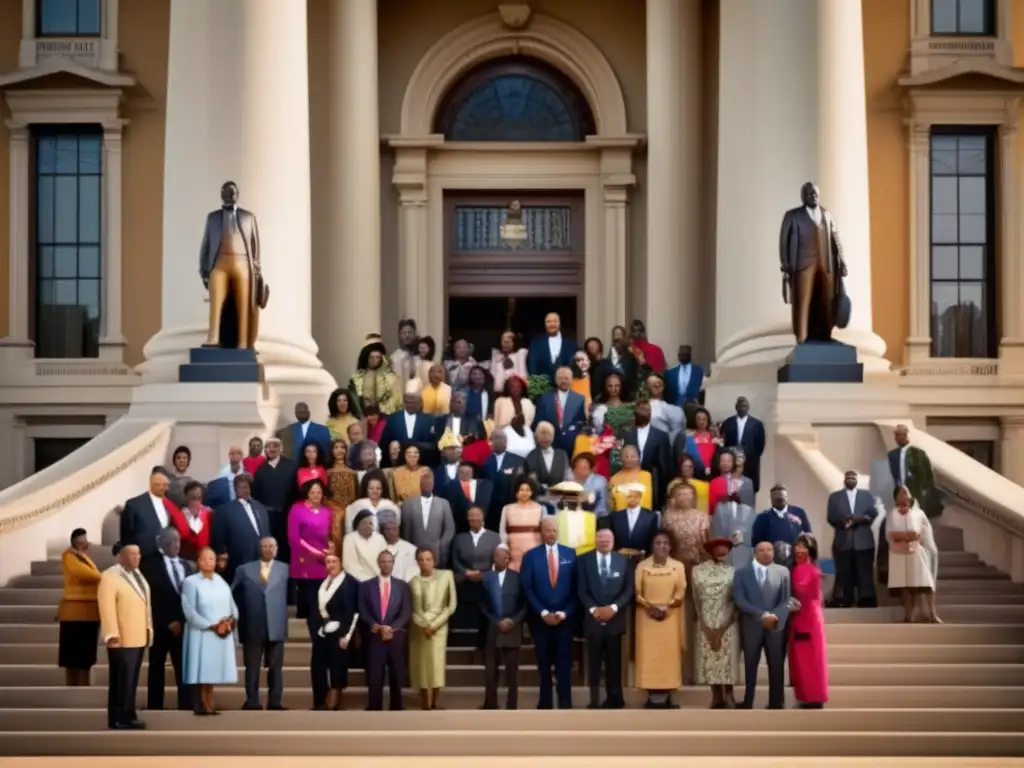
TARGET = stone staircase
(954,690)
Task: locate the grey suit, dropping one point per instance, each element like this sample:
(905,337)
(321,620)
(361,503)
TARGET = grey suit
(262,628)
(437,534)
(811,256)
(467,556)
(504,600)
(736,523)
(754,601)
(853,547)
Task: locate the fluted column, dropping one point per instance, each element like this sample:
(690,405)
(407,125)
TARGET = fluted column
(354,228)
(792,109)
(238,109)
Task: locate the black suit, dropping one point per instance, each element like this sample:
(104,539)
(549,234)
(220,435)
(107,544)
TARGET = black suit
(639,538)
(452,493)
(501,649)
(504,482)
(234,535)
(656,458)
(385,655)
(469,426)
(165,601)
(753,444)
(140,524)
(536,467)
(422,437)
(604,640)
(276,489)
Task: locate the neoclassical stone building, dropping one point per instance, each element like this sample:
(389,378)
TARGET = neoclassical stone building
(653,146)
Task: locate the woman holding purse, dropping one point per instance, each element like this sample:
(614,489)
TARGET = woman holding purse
(209,645)
(331,626)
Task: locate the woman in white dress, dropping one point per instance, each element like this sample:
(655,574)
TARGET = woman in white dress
(913,556)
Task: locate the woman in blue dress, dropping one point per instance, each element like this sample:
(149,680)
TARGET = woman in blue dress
(209,645)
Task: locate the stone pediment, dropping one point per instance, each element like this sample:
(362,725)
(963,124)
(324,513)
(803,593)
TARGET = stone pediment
(979,72)
(62,68)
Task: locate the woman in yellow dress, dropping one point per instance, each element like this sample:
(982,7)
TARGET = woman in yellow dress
(519,527)
(373,381)
(341,414)
(631,473)
(436,394)
(407,477)
(342,490)
(701,487)
(433,603)
(660,586)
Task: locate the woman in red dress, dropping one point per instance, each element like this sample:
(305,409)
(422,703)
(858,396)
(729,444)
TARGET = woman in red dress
(808,660)
(312,465)
(193,522)
(705,437)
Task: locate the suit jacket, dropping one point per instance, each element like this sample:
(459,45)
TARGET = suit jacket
(859,536)
(538,357)
(754,601)
(262,608)
(342,605)
(234,536)
(504,601)
(125,608)
(292,441)
(782,533)
(573,416)
(503,480)
(534,466)
(798,241)
(672,392)
(140,526)
(616,590)
(920,476)
(640,537)
(540,594)
(753,445)
(469,426)
(439,531)
(656,458)
(467,556)
(423,436)
(483,493)
(211,243)
(399,606)
(165,600)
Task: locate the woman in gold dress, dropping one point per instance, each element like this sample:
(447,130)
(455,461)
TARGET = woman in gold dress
(433,603)
(660,586)
(701,487)
(407,476)
(373,381)
(519,527)
(341,414)
(436,394)
(631,473)
(342,490)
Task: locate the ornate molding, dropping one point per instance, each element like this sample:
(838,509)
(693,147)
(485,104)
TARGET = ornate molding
(985,369)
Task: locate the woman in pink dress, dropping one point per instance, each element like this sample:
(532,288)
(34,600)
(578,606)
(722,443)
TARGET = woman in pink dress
(519,527)
(808,662)
(309,531)
(507,360)
(312,466)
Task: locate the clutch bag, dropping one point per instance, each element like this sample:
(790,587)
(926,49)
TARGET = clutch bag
(262,292)
(793,604)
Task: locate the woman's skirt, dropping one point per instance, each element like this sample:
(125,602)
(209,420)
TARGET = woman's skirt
(78,643)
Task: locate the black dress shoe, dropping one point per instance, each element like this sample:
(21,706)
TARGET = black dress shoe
(593,705)
(609,704)
(201,713)
(488,706)
(249,707)
(744,705)
(119,726)
(138,725)
(278,707)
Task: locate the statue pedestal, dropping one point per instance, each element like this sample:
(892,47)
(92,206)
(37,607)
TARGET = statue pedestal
(827,362)
(215,365)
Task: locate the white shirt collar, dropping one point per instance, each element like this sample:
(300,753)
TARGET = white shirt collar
(781,513)
(476,535)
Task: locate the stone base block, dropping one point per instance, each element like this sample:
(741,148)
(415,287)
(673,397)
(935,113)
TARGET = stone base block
(826,362)
(217,365)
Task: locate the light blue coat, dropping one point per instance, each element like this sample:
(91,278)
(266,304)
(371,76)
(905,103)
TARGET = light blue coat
(208,659)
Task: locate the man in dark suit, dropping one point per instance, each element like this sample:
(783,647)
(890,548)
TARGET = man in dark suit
(633,527)
(605,589)
(747,432)
(410,426)
(165,571)
(761,592)
(302,431)
(466,493)
(472,555)
(548,573)
(462,426)
(504,609)
(502,469)
(546,464)
(780,526)
(551,351)
(655,449)
(145,516)
(564,409)
(910,466)
(684,381)
(385,607)
(260,589)
(275,488)
(851,512)
(238,527)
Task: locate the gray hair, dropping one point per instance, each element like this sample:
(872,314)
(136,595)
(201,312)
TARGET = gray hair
(166,535)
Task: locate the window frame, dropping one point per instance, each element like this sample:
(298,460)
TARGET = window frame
(41,34)
(990,10)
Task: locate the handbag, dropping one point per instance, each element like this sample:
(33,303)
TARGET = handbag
(844,307)
(262,292)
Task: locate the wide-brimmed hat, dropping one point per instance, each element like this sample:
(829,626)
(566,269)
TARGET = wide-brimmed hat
(712,544)
(568,487)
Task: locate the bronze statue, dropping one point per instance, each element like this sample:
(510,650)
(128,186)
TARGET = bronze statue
(811,256)
(229,264)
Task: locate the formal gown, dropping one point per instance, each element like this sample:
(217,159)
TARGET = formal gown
(309,532)
(688,530)
(659,644)
(805,629)
(520,529)
(712,591)
(433,603)
(207,659)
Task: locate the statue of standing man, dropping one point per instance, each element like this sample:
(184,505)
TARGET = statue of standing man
(811,257)
(229,264)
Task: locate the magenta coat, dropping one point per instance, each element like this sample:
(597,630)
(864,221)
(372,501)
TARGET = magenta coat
(308,533)
(808,661)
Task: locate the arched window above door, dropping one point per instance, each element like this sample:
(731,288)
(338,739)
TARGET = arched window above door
(514,99)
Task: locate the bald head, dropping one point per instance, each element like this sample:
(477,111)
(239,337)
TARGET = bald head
(549,530)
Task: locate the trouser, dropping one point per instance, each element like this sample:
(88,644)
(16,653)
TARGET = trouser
(605,649)
(855,578)
(814,295)
(270,655)
(494,659)
(165,644)
(231,275)
(328,667)
(385,658)
(305,596)
(122,685)
(553,646)
(774,646)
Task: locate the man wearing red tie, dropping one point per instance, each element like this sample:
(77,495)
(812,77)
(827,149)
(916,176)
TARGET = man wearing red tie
(563,408)
(385,607)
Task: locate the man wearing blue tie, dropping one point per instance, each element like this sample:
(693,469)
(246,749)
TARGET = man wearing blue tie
(547,577)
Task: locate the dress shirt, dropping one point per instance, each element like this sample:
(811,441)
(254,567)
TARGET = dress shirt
(456,425)
(175,570)
(684,378)
(741,426)
(501,577)
(475,535)
(410,423)
(903,465)
(555,346)
(760,572)
(548,454)
(615,358)
(252,515)
(161,510)
(384,583)
(851,496)
(642,433)
(484,405)
(781,512)
(815,214)
(563,398)
(425,502)
(274,462)
(452,470)
(498,458)
(632,514)
(604,570)
(304,428)
(550,549)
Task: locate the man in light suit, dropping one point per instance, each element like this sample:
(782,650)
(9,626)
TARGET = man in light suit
(851,512)
(605,590)
(410,426)
(746,432)
(564,409)
(385,608)
(260,589)
(472,555)
(427,522)
(126,628)
(504,609)
(548,577)
(238,527)
(551,351)
(302,431)
(684,381)
(761,592)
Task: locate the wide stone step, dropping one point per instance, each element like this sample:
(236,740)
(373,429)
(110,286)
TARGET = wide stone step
(480,743)
(845,697)
(947,572)
(531,721)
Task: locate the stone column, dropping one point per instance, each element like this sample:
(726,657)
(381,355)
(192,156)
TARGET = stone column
(354,229)
(238,109)
(20,286)
(1011,346)
(1011,448)
(673,296)
(112,342)
(792,110)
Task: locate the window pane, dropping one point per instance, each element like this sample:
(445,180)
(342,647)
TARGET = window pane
(45,263)
(45,294)
(65,292)
(944,262)
(944,229)
(972,229)
(46,154)
(58,17)
(65,223)
(945,298)
(972,18)
(44,209)
(971,155)
(90,154)
(943,160)
(65,261)
(88,261)
(67,154)
(89,209)
(89,17)
(972,194)
(89,297)
(972,263)
(943,16)
(944,194)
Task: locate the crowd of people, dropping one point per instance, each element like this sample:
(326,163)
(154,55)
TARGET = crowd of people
(555,495)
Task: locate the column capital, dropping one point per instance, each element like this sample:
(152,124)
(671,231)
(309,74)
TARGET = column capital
(1011,422)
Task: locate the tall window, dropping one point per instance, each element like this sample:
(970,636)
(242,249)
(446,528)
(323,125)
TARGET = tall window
(963,300)
(963,17)
(68,18)
(68,176)
(515,99)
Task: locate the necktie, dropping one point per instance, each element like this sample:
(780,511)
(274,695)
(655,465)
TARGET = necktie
(604,567)
(760,577)
(176,570)
(558,407)
(466,490)
(138,580)
(265,572)
(385,596)
(552,566)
